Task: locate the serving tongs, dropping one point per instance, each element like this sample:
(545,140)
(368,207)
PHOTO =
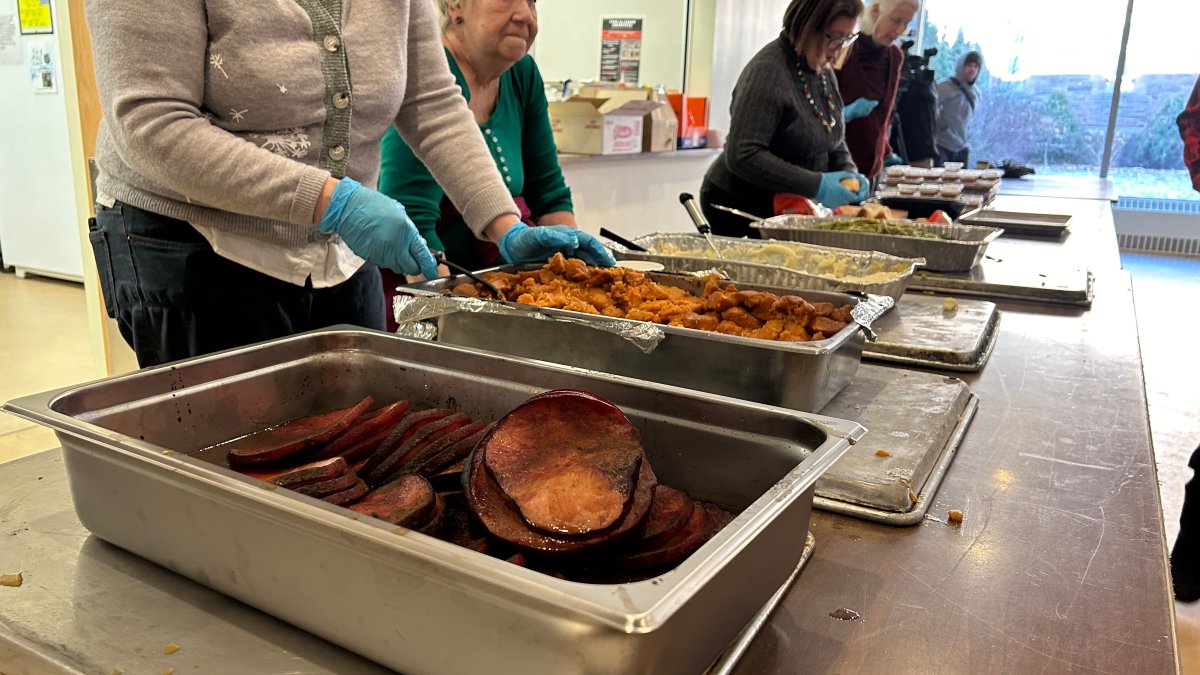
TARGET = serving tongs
(698,219)
(748,216)
(613,236)
(440,257)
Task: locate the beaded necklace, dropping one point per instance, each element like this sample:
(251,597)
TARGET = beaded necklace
(827,118)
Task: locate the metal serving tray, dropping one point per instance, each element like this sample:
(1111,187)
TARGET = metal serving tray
(796,375)
(944,255)
(1021,223)
(785,264)
(1014,280)
(920,332)
(411,602)
(920,419)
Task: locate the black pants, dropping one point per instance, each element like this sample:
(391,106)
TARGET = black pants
(727,224)
(1185,554)
(954,156)
(174,297)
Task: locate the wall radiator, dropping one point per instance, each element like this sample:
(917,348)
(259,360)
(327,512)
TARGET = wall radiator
(1176,210)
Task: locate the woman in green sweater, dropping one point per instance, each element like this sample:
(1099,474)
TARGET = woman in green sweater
(486,44)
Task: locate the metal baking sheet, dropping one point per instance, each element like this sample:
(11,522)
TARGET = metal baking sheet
(1001,278)
(325,570)
(920,418)
(920,331)
(797,375)
(785,264)
(1022,223)
(960,253)
(729,658)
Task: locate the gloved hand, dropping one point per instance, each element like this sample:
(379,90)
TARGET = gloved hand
(524,244)
(859,109)
(377,228)
(832,193)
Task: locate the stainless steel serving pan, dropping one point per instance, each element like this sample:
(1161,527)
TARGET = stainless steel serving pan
(785,264)
(411,602)
(958,254)
(797,375)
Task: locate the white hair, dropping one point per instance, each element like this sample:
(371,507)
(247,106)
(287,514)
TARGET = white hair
(867,23)
(443,8)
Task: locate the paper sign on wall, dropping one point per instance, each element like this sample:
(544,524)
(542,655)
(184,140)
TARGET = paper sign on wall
(620,50)
(36,16)
(10,50)
(43,72)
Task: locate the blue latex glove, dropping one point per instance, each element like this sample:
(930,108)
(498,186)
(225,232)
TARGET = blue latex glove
(832,193)
(858,109)
(377,228)
(524,244)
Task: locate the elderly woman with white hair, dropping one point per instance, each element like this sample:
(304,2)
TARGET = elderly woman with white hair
(869,79)
(487,43)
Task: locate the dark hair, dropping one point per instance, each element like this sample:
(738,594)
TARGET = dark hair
(973,57)
(805,21)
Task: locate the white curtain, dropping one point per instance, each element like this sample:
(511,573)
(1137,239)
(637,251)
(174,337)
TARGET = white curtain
(743,27)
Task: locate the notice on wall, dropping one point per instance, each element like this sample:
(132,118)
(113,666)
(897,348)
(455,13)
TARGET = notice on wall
(621,50)
(10,50)
(43,71)
(36,17)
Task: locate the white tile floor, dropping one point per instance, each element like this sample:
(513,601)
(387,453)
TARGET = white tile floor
(41,322)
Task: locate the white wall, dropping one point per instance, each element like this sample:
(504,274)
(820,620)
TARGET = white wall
(568,43)
(636,194)
(742,28)
(39,231)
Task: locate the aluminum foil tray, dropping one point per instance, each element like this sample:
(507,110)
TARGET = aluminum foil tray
(785,264)
(411,602)
(796,375)
(958,254)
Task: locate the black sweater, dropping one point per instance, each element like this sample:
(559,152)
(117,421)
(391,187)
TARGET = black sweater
(776,142)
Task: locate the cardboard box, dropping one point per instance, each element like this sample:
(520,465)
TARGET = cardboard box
(595,126)
(692,112)
(621,95)
(659,126)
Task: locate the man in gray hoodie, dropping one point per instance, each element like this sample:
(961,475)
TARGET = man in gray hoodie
(957,101)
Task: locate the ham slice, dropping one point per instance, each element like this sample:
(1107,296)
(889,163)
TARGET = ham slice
(291,438)
(569,461)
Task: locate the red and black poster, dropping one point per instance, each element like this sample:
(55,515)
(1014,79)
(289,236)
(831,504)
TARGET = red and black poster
(621,50)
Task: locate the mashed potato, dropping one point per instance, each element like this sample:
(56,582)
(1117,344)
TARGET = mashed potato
(797,257)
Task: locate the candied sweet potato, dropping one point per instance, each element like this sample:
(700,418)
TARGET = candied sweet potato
(327,487)
(407,501)
(696,531)
(349,495)
(670,511)
(291,438)
(568,461)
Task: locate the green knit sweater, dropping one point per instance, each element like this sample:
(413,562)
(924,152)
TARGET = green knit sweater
(519,137)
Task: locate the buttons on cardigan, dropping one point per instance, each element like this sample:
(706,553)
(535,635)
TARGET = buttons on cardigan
(332,43)
(504,169)
(341,100)
(337,153)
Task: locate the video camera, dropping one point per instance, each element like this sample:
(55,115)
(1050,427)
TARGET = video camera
(916,66)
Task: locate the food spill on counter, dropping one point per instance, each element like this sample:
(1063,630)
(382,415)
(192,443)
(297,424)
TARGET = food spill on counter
(882,453)
(561,484)
(845,614)
(13,580)
(570,284)
(949,305)
(955,516)
(171,648)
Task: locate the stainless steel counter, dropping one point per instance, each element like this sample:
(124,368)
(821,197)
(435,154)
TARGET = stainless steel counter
(1062,187)
(1059,564)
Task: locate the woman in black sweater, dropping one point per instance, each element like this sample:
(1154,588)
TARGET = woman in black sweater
(787,134)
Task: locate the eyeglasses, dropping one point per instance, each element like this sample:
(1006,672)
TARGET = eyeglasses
(841,42)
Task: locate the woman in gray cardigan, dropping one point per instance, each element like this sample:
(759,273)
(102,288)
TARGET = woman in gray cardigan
(238,153)
(786,134)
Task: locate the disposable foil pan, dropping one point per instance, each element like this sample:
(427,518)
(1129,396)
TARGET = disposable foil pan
(786,264)
(797,375)
(405,600)
(958,254)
